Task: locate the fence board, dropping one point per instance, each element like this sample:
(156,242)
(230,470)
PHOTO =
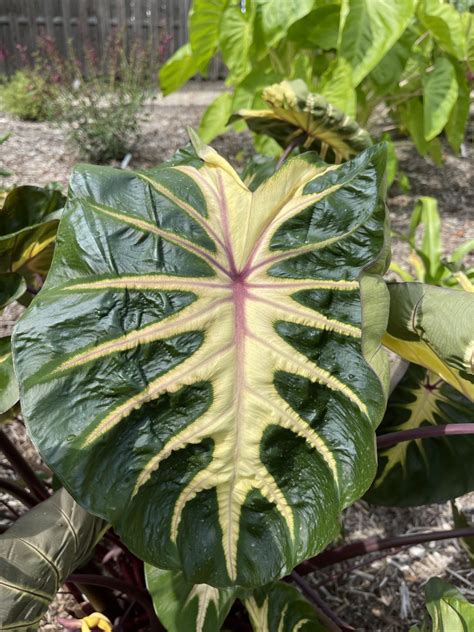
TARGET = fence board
(92,23)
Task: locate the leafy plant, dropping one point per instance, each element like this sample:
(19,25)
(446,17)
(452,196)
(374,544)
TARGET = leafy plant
(449,609)
(38,553)
(28,95)
(203,369)
(211,300)
(28,224)
(426,259)
(416,58)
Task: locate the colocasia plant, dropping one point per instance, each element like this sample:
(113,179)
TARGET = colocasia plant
(204,372)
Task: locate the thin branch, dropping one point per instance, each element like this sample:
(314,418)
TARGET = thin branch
(425,432)
(23,468)
(329,618)
(374,545)
(18,492)
(298,140)
(141,596)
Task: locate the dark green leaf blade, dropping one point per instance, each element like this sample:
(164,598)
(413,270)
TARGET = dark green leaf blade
(424,471)
(184,607)
(281,607)
(38,553)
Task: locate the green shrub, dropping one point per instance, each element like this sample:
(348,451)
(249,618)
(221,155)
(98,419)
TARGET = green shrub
(103,111)
(29,96)
(103,126)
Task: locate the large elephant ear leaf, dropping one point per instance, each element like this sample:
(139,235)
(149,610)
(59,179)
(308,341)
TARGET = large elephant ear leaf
(297,112)
(434,327)
(441,466)
(202,366)
(37,555)
(28,224)
(449,609)
(281,607)
(185,607)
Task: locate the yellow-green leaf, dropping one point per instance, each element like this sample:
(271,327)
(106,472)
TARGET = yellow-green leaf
(439,97)
(433,327)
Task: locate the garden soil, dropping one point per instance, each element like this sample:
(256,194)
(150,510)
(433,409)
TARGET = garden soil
(384,594)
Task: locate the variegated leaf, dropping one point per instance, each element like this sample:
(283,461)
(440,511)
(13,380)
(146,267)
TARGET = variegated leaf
(430,470)
(280,607)
(434,327)
(295,111)
(28,224)
(185,607)
(201,365)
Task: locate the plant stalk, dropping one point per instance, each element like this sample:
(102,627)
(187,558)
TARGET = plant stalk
(23,468)
(141,596)
(374,545)
(298,140)
(426,432)
(329,618)
(18,492)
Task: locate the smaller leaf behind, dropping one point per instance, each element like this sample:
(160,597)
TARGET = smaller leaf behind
(433,327)
(295,113)
(185,607)
(424,471)
(37,555)
(449,609)
(280,607)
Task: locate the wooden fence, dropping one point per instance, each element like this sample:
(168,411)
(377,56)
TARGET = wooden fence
(160,23)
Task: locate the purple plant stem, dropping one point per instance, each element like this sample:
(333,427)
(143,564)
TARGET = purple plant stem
(23,468)
(18,492)
(374,545)
(141,596)
(426,432)
(294,143)
(329,618)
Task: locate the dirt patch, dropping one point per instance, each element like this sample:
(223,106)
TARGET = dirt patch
(385,595)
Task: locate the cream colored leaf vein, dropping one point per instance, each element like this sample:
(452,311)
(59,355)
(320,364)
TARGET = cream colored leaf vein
(194,317)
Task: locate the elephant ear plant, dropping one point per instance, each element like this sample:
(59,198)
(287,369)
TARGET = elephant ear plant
(212,357)
(203,370)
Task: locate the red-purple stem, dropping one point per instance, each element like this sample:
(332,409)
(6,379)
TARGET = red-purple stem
(330,619)
(373,545)
(425,432)
(23,468)
(18,492)
(294,143)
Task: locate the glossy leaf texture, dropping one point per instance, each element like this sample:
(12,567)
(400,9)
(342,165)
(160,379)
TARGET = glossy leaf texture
(424,471)
(203,366)
(433,327)
(38,553)
(8,385)
(185,607)
(281,607)
(295,112)
(449,610)
(28,224)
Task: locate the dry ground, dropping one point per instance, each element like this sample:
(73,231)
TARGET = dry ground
(385,595)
